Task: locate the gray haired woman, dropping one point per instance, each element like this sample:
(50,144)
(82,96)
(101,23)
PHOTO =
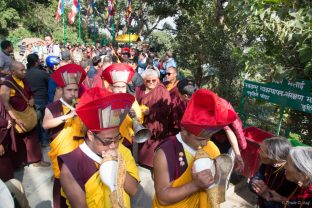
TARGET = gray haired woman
(298,169)
(155,98)
(271,174)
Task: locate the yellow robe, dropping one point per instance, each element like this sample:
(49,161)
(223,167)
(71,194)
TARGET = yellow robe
(198,199)
(64,142)
(97,193)
(126,129)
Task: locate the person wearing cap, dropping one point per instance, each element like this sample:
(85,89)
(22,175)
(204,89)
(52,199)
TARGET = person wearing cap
(176,183)
(231,138)
(52,63)
(62,123)
(156,98)
(82,172)
(17,97)
(118,75)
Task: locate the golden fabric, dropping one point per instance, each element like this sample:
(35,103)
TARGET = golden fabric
(198,199)
(19,82)
(98,194)
(125,128)
(170,86)
(65,142)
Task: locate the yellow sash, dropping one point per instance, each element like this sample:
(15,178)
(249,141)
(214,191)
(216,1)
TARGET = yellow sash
(198,199)
(171,86)
(65,142)
(97,193)
(126,129)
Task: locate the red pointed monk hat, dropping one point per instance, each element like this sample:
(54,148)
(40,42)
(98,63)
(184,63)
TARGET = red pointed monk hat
(69,74)
(118,72)
(100,109)
(206,113)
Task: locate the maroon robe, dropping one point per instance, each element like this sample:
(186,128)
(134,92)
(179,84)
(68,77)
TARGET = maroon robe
(56,110)
(7,139)
(28,146)
(158,102)
(178,107)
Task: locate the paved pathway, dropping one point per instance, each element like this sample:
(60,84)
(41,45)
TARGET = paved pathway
(38,187)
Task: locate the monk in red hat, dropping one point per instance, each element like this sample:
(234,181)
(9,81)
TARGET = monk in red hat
(60,119)
(176,182)
(118,76)
(101,172)
(17,98)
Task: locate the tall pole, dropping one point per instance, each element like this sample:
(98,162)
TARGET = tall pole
(93,18)
(64,23)
(79,23)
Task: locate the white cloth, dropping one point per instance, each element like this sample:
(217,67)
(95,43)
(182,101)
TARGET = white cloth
(185,146)
(6,200)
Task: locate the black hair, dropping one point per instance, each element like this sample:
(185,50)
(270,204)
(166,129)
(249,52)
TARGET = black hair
(32,59)
(187,86)
(96,60)
(134,59)
(5,44)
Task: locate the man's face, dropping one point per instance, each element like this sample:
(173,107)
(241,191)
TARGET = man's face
(10,49)
(48,40)
(119,87)
(104,140)
(70,92)
(20,71)
(150,82)
(171,74)
(194,141)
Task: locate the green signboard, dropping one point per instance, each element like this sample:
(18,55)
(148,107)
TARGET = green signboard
(294,95)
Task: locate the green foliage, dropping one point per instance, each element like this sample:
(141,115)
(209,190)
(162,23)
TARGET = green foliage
(18,34)
(160,41)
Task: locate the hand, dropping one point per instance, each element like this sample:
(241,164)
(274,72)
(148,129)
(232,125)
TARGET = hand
(9,124)
(259,187)
(274,196)
(2,151)
(132,113)
(203,179)
(72,114)
(239,164)
(110,153)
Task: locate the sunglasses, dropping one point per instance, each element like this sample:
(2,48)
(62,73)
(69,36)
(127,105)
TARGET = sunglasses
(108,141)
(168,73)
(151,81)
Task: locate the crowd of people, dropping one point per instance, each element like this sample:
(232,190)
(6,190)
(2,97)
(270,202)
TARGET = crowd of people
(85,104)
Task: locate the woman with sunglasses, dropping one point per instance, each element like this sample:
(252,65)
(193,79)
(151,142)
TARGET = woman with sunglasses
(155,96)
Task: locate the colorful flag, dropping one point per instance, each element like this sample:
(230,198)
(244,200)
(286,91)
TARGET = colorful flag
(59,11)
(73,12)
(128,12)
(110,8)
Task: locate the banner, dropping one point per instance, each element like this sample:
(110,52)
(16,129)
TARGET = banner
(73,12)
(59,11)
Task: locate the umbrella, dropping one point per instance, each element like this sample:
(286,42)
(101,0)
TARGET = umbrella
(126,38)
(30,41)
